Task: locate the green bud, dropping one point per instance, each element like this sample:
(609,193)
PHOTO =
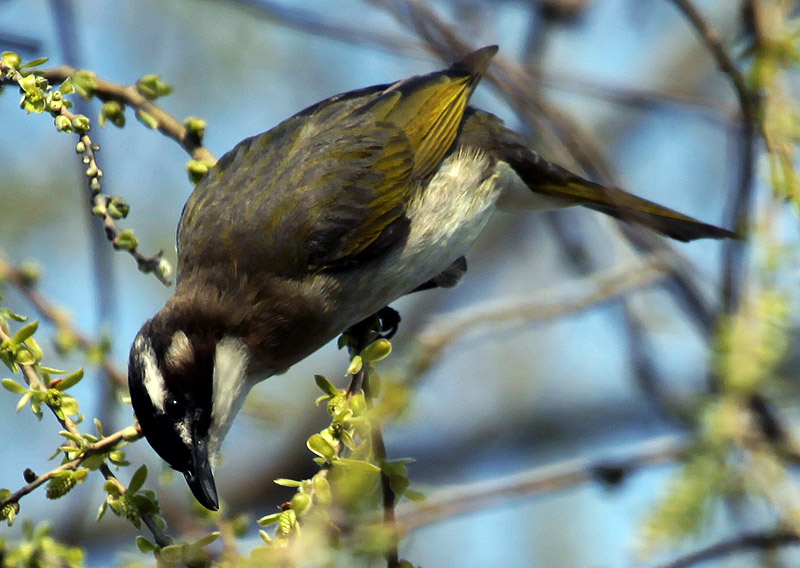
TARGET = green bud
(113,111)
(55,106)
(126,240)
(300,503)
(130,434)
(11,59)
(60,484)
(356,364)
(80,148)
(377,350)
(65,341)
(94,185)
(85,83)
(322,489)
(63,124)
(197,169)
(118,208)
(81,124)
(147,119)
(28,83)
(152,87)
(196,127)
(9,513)
(287,521)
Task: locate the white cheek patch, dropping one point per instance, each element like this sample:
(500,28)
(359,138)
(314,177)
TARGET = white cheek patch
(180,352)
(183,431)
(230,388)
(153,381)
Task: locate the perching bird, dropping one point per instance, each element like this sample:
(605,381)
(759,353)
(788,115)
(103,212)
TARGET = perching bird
(300,232)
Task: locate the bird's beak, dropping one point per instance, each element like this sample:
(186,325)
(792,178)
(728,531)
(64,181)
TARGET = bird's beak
(200,478)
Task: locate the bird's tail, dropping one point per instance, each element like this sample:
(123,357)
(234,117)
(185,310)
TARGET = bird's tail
(561,186)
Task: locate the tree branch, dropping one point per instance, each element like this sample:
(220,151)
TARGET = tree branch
(547,304)
(468,498)
(50,312)
(741,543)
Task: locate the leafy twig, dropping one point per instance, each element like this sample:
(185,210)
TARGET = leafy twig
(105,206)
(741,201)
(53,314)
(103,445)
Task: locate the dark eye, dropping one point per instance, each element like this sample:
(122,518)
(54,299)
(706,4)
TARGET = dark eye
(174,408)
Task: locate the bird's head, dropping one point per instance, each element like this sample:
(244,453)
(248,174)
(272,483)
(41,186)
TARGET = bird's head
(186,386)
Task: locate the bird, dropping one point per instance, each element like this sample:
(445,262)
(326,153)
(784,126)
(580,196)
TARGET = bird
(300,232)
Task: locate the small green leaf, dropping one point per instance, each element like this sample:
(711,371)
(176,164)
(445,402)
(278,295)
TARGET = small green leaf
(13,386)
(35,63)
(376,350)
(206,540)
(356,364)
(70,380)
(269,519)
(288,482)
(24,401)
(25,332)
(147,119)
(321,447)
(326,386)
(300,503)
(138,479)
(144,545)
(358,465)
(11,59)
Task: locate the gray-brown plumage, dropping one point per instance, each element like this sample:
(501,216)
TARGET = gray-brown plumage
(300,232)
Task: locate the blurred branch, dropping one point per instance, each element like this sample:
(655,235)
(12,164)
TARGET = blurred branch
(468,498)
(742,543)
(308,22)
(56,316)
(741,200)
(543,304)
(18,42)
(558,131)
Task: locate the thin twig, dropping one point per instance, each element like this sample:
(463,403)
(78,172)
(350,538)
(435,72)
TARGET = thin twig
(548,304)
(741,543)
(34,381)
(741,201)
(103,445)
(308,22)
(99,201)
(467,498)
(363,334)
(130,95)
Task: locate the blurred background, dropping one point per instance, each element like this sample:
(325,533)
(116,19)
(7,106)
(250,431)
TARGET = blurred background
(629,83)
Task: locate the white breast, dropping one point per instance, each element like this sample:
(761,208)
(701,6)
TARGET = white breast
(446,217)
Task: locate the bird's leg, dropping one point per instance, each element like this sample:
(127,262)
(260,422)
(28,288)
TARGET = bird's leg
(383,324)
